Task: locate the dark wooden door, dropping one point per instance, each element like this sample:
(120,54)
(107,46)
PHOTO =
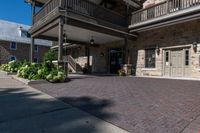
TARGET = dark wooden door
(116,60)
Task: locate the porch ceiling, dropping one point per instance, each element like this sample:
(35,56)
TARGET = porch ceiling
(82,35)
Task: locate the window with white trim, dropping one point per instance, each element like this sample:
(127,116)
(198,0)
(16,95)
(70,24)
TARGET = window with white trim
(25,34)
(36,48)
(187,58)
(13,58)
(13,46)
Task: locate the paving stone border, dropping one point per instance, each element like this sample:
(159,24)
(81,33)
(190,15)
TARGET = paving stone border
(7,73)
(28,82)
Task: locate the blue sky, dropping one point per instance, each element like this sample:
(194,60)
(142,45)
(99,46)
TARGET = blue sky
(16,11)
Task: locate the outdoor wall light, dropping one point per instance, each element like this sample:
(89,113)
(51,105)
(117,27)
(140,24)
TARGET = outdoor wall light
(65,38)
(92,41)
(102,54)
(195,46)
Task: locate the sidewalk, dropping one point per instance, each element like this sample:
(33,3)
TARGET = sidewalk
(27,110)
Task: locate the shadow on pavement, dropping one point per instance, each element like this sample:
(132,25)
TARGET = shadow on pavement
(91,105)
(23,110)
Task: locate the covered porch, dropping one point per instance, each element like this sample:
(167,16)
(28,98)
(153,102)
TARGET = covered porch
(74,27)
(93,49)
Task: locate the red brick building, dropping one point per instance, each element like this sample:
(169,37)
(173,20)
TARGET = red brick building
(15,43)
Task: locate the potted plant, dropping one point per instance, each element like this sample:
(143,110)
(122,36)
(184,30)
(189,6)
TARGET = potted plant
(122,72)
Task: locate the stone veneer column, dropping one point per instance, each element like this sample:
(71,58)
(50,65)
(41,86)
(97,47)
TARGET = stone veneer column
(140,62)
(195,60)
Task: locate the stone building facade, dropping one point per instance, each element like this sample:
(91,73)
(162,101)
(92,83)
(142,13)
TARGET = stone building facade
(165,37)
(180,37)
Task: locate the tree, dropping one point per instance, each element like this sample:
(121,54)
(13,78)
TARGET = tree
(50,55)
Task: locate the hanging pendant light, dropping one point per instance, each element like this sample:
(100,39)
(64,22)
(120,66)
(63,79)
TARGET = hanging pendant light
(92,41)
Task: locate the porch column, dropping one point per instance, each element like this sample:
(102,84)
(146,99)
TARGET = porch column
(60,39)
(32,39)
(126,51)
(88,57)
(32,50)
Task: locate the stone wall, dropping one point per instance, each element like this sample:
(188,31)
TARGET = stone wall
(22,52)
(176,35)
(195,62)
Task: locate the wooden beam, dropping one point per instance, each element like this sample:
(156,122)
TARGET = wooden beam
(55,39)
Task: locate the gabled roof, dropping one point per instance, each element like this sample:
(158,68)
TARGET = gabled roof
(10,31)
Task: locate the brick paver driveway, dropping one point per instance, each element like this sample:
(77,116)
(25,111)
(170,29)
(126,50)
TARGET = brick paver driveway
(139,105)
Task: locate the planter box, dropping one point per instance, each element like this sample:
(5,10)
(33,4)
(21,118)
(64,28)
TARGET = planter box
(29,82)
(7,73)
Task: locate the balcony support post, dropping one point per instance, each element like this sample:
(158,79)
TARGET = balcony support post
(31,58)
(33,10)
(60,39)
(32,50)
(88,59)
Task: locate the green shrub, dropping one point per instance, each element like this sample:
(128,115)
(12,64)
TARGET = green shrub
(56,76)
(47,71)
(30,71)
(50,55)
(12,66)
(34,71)
(122,72)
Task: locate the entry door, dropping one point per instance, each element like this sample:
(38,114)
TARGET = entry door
(176,63)
(116,60)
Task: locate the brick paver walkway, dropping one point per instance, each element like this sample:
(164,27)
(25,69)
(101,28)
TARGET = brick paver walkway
(27,110)
(140,105)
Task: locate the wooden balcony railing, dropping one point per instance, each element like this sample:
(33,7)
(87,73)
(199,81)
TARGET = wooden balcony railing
(46,9)
(82,7)
(164,8)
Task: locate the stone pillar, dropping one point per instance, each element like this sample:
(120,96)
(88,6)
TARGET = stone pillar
(60,39)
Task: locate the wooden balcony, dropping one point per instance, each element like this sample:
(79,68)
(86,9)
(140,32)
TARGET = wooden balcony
(168,10)
(81,7)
